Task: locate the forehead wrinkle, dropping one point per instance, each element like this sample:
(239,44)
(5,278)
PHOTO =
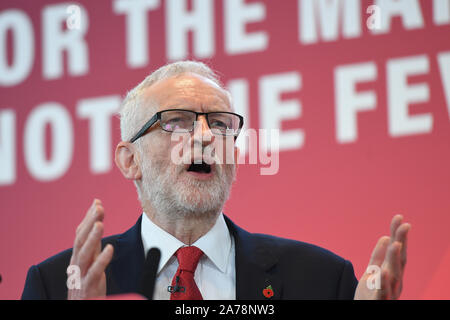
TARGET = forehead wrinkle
(189,91)
(213,103)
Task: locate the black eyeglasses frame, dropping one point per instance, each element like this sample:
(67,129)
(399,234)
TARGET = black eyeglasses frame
(157,117)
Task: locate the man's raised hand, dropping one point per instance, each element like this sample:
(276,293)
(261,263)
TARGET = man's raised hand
(384,276)
(88,257)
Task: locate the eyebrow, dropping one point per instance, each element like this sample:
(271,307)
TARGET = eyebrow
(189,107)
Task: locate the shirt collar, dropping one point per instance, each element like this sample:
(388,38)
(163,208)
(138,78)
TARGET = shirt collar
(215,244)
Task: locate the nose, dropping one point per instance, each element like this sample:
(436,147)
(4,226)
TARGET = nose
(202,131)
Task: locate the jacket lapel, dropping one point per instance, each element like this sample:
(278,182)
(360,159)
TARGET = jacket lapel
(256,266)
(125,270)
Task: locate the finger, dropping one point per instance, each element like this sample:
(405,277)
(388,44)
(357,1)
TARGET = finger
(97,269)
(95,213)
(88,212)
(395,223)
(87,253)
(393,261)
(394,269)
(379,252)
(385,290)
(402,236)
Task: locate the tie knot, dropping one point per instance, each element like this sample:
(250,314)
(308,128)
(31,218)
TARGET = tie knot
(188,258)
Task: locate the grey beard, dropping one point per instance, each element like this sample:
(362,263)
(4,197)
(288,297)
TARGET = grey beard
(194,199)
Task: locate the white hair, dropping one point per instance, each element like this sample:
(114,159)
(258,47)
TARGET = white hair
(131,115)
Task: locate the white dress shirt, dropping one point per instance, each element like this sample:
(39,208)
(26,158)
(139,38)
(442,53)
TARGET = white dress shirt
(215,275)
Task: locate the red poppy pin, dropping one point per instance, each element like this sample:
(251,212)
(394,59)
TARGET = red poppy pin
(268,292)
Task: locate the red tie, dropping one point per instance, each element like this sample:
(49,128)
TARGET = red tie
(183,284)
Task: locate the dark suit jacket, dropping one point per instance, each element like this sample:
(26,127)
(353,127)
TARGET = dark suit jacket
(295,270)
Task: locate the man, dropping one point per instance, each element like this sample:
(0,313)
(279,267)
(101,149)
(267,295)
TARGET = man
(204,255)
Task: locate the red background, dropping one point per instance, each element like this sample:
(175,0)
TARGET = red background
(339,196)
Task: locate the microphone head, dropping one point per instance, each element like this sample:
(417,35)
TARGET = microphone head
(153,254)
(149,274)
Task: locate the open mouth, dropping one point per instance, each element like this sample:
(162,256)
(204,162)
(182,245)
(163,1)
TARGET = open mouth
(199,168)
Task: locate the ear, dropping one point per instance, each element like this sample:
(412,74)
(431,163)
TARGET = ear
(127,160)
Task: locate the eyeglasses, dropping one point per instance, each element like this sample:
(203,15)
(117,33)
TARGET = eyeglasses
(180,120)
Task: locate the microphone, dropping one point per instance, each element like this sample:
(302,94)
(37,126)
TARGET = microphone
(176,287)
(149,275)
